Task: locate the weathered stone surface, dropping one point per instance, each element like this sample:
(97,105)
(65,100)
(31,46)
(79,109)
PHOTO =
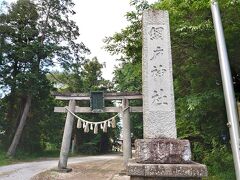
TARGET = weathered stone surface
(135,169)
(161,178)
(176,170)
(192,170)
(160,156)
(158,96)
(63,170)
(162,151)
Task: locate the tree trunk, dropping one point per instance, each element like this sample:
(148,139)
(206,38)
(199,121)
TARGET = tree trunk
(12,115)
(18,134)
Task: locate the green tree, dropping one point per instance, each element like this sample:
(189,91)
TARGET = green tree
(128,44)
(85,78)
(201,116)
(34,35)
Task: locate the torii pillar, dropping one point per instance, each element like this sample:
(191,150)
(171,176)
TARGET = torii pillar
(66,142)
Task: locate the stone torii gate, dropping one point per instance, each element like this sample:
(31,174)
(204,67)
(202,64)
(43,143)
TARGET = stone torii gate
(124,110)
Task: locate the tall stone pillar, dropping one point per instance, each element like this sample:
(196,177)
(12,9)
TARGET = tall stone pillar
(158,96)
(127,149)
(160,155)
(67,135)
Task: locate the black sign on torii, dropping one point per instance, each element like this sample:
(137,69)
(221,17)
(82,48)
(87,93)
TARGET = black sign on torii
(97,101)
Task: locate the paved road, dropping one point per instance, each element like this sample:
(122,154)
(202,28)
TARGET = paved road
(24,171)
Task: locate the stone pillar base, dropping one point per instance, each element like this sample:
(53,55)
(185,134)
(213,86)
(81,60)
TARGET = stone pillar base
(166,171)
(164,159)
(63,170)
(159,178)
(162,151)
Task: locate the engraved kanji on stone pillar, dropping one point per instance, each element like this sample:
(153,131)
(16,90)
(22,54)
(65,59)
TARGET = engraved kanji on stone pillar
(160,155)
(158,96)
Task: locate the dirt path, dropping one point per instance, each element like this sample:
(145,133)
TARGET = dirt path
(107,169)
(25,171)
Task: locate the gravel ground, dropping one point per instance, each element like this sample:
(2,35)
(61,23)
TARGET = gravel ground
(107,169)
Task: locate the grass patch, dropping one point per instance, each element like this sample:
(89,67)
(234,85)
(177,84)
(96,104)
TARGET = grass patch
(26,157)
(222,176)
(4,160)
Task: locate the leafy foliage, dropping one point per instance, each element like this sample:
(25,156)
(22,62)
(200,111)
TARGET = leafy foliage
(37,35)
(128,44)
(200,110)
(86,78)
(34,36)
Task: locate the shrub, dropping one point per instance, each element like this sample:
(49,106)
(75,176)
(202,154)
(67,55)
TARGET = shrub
(89,148)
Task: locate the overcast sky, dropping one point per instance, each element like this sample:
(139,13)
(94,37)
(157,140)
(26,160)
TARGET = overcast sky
(98,19)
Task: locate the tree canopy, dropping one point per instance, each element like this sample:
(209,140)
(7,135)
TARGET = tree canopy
(200,109)
(36,36)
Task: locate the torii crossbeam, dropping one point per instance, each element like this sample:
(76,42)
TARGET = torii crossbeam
(124,110)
